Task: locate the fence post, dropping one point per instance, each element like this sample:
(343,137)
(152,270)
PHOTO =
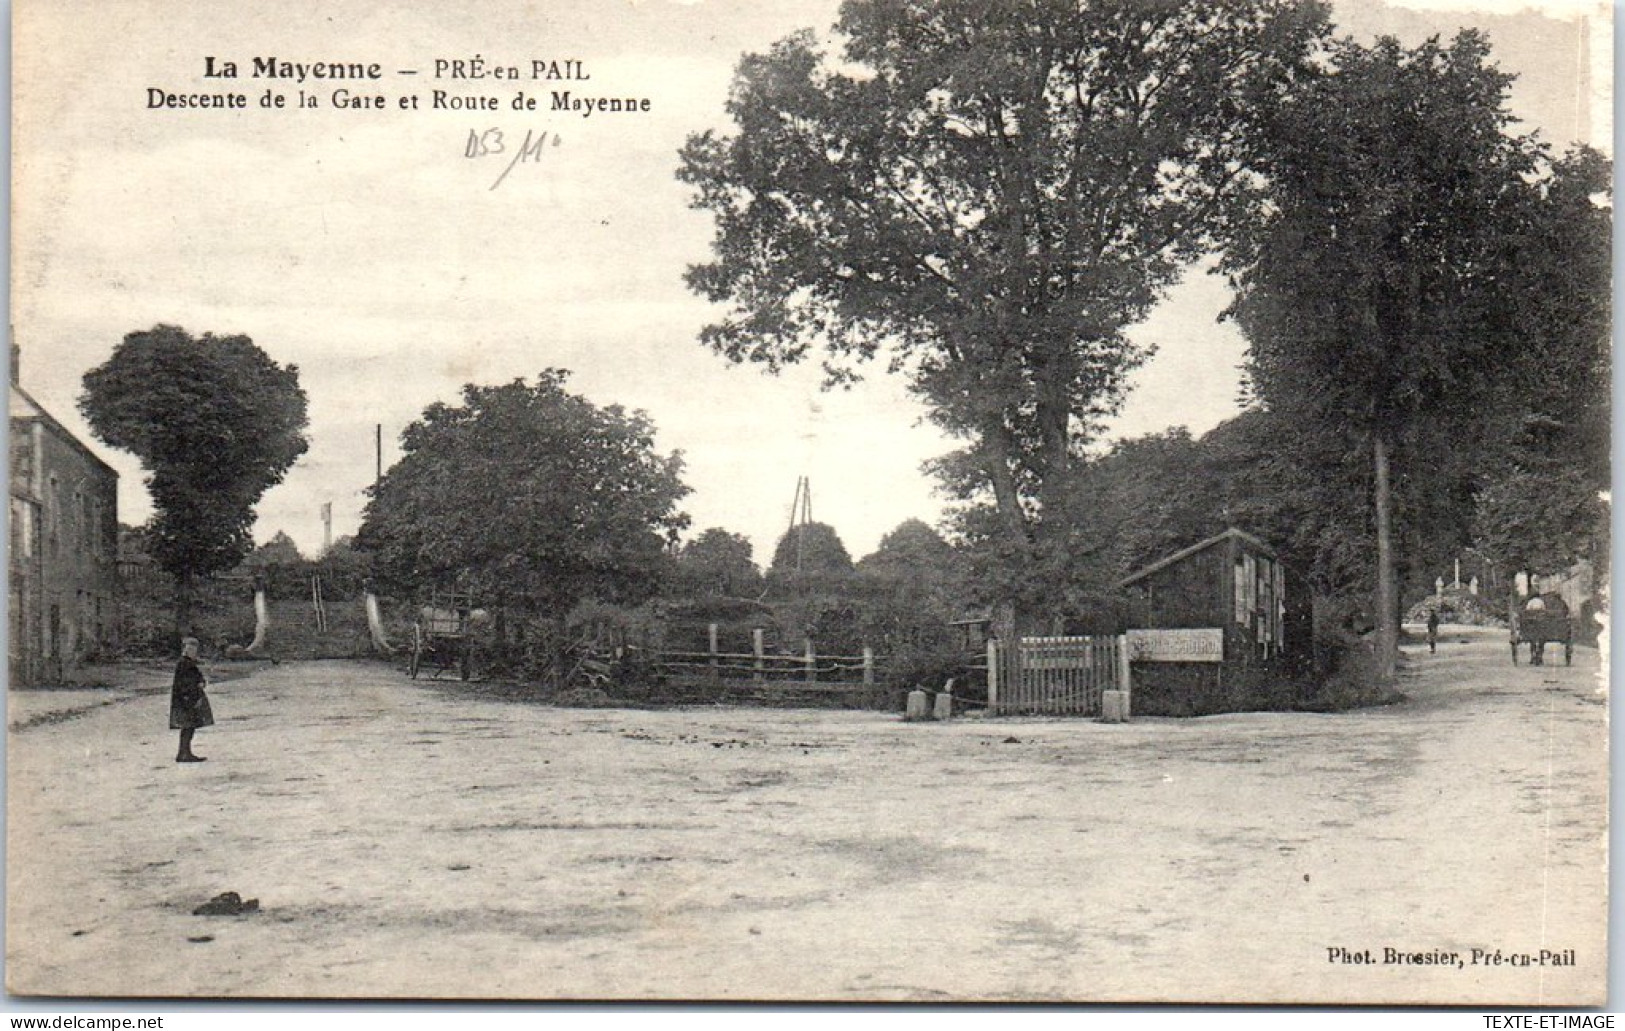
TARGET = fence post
(710,649)
(868,666)
(756,646)
(992,674)
(811,663)
(1124,677)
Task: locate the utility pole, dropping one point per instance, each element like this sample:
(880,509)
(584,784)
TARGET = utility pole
(800,516)
(378,457)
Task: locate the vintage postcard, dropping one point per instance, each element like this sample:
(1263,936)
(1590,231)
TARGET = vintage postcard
(1085,502)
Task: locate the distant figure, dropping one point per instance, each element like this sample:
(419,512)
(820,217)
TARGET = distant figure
(188,704)
(1433,630)
(1534,630)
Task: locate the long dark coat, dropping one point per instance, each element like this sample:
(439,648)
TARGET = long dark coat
(188,705)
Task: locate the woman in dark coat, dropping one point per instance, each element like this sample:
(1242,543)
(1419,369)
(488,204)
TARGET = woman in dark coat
(188,705)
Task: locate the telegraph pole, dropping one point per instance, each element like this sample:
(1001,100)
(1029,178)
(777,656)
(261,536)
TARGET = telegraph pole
(800,516)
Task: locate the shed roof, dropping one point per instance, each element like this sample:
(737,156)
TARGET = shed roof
(1180,556)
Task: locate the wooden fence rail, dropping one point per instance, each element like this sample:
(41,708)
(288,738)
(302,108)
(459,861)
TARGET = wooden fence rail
(760,665)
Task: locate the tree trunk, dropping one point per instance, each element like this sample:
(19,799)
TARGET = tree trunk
(1387,614)
(1005,625)
(1009,634)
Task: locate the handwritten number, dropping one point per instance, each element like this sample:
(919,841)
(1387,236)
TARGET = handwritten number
(491,141)
(481,144)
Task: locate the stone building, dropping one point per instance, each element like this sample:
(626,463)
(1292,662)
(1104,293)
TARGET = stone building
(64,546)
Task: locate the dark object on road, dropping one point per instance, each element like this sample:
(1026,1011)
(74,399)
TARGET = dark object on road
(227,903)
(1012,740)
(1433,630)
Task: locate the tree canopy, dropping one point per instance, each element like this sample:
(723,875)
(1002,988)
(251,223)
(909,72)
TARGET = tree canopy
(215,422)
(1372,288)
(809,554)
(718,563)
(910,549)
(279,550)
(985,197)
(530,492)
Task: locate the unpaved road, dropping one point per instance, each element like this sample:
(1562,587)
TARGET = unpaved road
(407,842)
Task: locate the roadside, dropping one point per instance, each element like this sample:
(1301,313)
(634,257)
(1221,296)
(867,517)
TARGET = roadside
(96,686)
(411,843)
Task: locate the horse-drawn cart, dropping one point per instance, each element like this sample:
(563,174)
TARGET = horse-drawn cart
(1542,620)
(442,636)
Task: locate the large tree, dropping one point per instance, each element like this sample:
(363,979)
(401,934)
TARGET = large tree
(810,556)
(719,564)
(530,495)
(916,573)
(1538,507)
(986,195)
(216,423)
(911,552)
(280,550)
(1370,290)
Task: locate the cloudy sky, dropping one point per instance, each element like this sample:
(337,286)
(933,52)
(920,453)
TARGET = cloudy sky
(365,247)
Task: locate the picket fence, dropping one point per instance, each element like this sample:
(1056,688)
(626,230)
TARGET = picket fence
(1056,675)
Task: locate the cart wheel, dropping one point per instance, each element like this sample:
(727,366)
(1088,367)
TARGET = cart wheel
(417,652)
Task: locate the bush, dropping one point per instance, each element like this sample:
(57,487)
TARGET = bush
(1347,678)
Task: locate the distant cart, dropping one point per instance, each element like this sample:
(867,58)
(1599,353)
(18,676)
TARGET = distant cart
(1549,622)
(442,636)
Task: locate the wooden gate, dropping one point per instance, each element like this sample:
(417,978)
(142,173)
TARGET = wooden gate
(1058,675)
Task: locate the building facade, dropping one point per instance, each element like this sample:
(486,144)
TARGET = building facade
(64,547)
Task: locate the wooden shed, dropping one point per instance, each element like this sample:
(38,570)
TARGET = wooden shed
(1229,594)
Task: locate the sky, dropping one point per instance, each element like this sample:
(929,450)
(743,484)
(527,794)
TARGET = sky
(368,249)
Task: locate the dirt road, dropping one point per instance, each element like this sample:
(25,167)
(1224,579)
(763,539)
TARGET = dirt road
(406,842)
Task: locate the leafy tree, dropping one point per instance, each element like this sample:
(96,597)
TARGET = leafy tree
(809,555)
(1547,456)
(1367,289)
(915,568)
(1541,511)
(914,586)
(529,493)
(987,195)
(279,550)
(216,423)
(913,553)
(718,563)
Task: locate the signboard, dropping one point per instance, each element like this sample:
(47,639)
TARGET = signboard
(1176,645)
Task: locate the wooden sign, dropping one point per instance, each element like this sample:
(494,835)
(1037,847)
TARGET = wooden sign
(1176,645)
